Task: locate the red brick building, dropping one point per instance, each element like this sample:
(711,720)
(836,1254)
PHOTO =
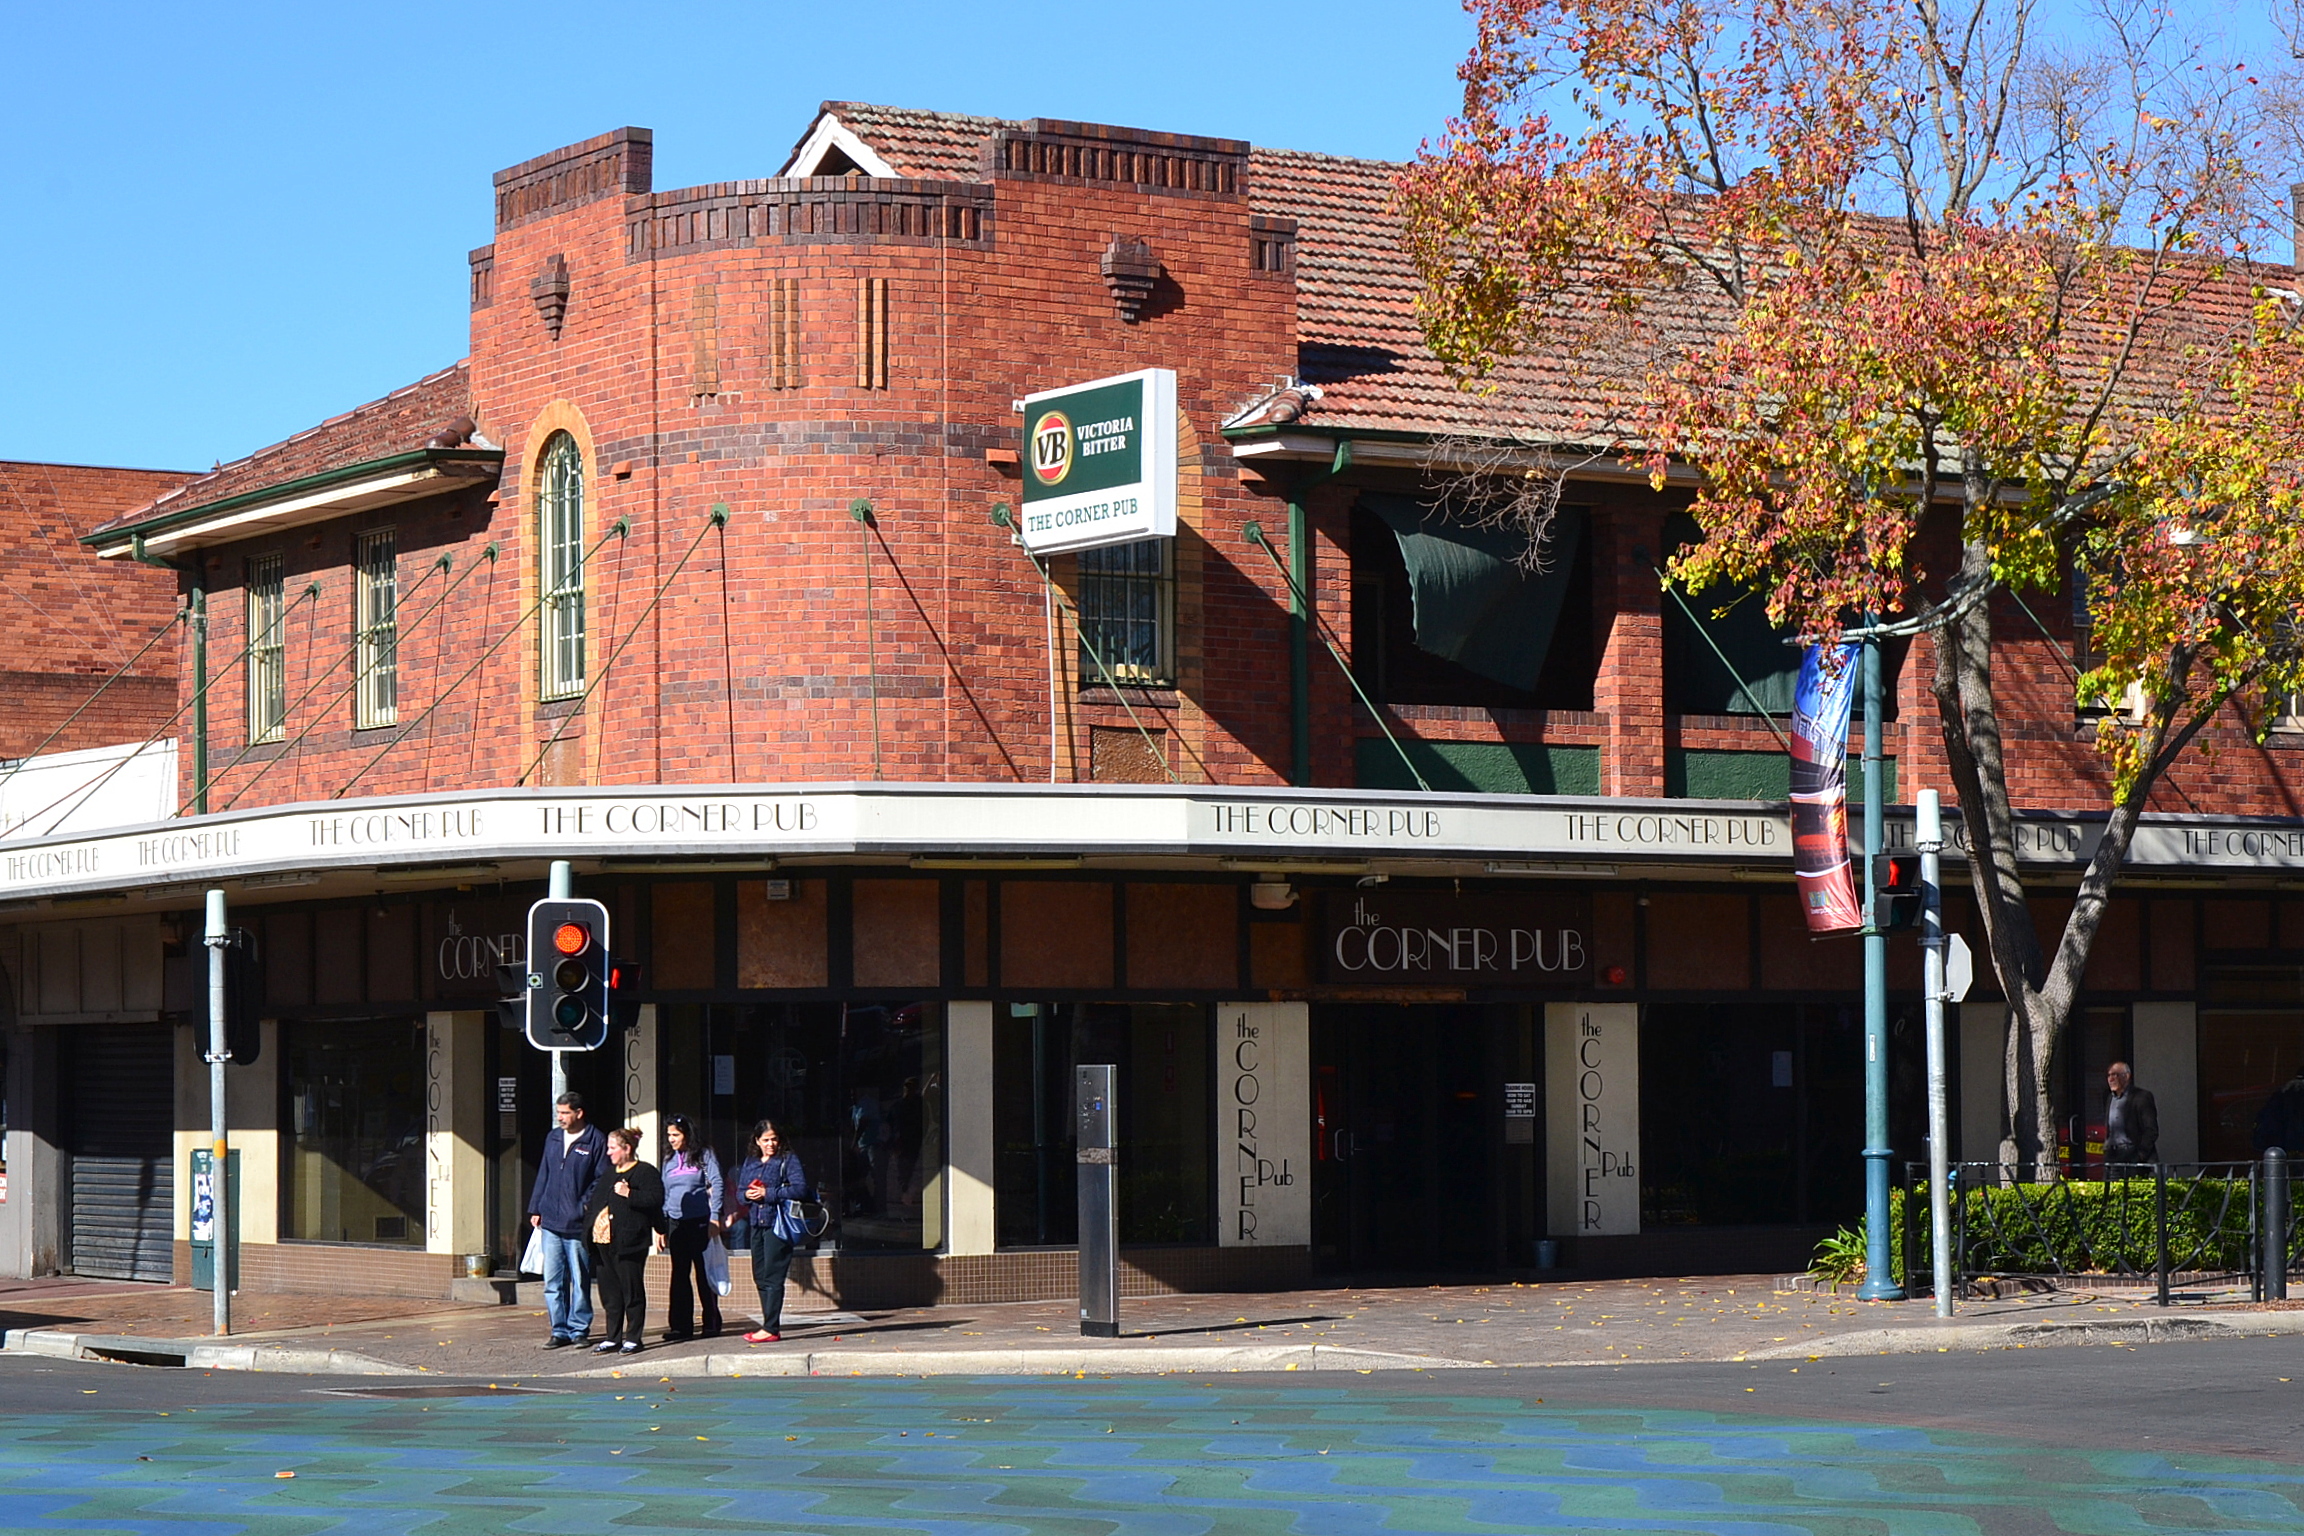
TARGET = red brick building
(74,623)
(689,574)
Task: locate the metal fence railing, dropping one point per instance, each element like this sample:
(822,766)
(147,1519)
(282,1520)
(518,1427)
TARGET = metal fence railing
(2188,1224)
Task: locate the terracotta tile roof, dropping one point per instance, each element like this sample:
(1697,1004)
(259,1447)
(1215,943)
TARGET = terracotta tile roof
(1356,314)
(922,146)
(401,422)
(1356,321)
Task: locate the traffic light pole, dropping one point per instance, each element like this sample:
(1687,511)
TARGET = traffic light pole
(220,1157)
(562,887)
(1879,1279)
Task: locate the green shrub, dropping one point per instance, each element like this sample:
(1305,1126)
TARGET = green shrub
(1839,1258)
(2085,1228)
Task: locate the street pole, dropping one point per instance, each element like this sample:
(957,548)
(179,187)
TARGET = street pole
(219,1152)
(1931,844)
(562,887)
(1879,1283)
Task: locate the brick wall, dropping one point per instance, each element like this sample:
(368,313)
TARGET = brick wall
(73,620)
(787,347)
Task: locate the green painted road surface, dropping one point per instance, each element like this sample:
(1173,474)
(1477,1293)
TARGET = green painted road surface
(1163,1458)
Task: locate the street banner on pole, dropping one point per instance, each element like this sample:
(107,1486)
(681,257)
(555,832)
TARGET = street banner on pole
(1822,701)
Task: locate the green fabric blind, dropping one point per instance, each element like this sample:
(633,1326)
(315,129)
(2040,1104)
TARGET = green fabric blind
(1474,603)
(1695,682)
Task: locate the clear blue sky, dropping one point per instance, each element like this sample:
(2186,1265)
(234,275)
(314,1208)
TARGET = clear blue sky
(226,222)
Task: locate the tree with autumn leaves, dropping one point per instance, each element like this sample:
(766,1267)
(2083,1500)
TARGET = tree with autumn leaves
(1877,280)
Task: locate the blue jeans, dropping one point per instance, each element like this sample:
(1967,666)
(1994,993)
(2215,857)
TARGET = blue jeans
(567,1269)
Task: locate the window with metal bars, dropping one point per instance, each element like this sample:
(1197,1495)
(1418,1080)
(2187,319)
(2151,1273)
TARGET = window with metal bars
(560,573)
(376,616)
(1127,611)
(267,648)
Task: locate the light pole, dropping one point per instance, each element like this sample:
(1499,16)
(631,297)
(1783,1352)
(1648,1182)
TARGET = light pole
(1879,1283)
(1930,841)
(217,938)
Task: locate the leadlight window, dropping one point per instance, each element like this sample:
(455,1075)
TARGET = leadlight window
(267,649)
(1127,613)
(377,616)
(560,535)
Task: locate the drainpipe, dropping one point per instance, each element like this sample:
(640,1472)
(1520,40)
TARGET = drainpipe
(196,603)
(1300,613)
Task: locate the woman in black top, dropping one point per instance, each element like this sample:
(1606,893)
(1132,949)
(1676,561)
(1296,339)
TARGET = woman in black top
(621,1219)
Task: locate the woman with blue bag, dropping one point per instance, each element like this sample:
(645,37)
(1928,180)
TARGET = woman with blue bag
(769,1188)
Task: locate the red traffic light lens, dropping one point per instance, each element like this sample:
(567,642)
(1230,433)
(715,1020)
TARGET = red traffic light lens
(571,938)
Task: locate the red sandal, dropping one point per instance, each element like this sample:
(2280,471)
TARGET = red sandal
(763,1336)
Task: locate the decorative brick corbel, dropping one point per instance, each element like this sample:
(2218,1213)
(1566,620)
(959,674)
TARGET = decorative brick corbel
(549,289)
(1130,270)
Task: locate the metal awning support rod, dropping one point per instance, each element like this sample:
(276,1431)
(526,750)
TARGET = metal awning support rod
(1003,518)
(1255,535)
(125,667)
(1742,686)
(487,553)
(716,518)
(195,614)
(305,697)
(198,700)
(1301,616)
(616,530)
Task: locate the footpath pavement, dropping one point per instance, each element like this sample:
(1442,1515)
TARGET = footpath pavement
(1452,1327)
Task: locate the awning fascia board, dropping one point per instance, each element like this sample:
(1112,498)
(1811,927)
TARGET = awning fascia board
(313,498)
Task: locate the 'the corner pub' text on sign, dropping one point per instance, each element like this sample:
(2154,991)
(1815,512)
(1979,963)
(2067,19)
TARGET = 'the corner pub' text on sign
(1436,938)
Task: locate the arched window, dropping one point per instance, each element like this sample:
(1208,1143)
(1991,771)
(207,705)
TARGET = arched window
(560,572)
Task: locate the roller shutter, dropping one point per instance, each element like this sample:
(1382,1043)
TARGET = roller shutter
(122,1112)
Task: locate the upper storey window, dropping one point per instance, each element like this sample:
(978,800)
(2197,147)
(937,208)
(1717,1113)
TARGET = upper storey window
(560,538)
(267,649)
(377,621)
(1128,613)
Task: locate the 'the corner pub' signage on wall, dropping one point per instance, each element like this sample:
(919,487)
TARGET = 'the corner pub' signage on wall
(1100,462)
(1433,938)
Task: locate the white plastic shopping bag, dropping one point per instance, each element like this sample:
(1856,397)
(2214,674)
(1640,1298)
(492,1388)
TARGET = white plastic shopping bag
(532,1256)
(716,1266)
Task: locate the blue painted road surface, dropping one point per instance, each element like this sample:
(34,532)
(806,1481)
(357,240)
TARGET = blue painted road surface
(1168,1457)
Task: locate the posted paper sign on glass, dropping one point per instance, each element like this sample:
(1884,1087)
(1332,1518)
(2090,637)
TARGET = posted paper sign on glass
(1100,462)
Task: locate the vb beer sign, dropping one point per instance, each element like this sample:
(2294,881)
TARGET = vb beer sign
(1100,462)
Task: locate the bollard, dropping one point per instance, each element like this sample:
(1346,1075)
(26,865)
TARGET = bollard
(2275,1224)
(2160,1226)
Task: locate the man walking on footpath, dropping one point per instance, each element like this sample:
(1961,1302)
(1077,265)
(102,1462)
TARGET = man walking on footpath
(573,1157)
(2131,1121)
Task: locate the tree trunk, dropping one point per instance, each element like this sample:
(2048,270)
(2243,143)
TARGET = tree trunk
(2040,994)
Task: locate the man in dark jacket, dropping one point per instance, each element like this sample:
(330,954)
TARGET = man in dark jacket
(2281,1121)
(2131,1120)
(574,1154)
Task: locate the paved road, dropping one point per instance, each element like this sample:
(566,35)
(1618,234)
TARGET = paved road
(1930,1445)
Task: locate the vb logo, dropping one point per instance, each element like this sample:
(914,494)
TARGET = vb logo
(1052,448)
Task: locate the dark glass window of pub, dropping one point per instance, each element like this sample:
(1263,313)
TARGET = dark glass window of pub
(1167,1130)
(355,1165)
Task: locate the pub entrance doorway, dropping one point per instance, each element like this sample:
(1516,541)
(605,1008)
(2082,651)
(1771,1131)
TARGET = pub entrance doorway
(1411,1169)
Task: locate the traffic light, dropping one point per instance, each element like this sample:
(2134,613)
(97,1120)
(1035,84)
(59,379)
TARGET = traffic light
(568,969)
(1896,890)
(243,998)
(512,995)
